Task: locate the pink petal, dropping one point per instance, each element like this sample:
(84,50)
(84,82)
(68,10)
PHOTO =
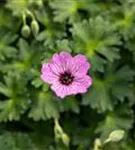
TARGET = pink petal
(62,60)
(80,85)
(80,65)
(61,90)
(56,68)
(47,74)
(63,57)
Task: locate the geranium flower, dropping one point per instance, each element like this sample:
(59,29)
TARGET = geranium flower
(66,74)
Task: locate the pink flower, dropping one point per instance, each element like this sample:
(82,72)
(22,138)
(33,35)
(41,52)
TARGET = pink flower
(66,74)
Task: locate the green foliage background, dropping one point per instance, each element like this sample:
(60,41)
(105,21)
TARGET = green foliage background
(104,31)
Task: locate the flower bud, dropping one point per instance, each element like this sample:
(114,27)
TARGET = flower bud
(97,144)
(34,27)
(25,31)
(115,136)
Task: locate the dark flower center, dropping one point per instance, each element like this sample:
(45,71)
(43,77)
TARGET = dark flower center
(66,78)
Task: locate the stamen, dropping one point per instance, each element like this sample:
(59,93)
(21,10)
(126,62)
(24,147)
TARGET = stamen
(66,78)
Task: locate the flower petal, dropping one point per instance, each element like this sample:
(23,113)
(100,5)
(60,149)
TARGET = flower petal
(63,57)
(80,85)
(47,74)
(62,60)
(80,65)
(56,68)
(61,90)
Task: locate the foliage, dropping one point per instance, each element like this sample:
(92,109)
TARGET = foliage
(31,32)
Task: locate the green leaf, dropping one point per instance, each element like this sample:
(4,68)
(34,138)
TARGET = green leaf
(37,82)
(12,109)
(63,9)
(64,45)
(68,104)
(11,88)
(15,141)
(24,48)
(122,86)
(98,97)
(6,50)
(125,21)
(116,86)
(14,102)
(96,38)
(44,107)
(121,118)
(17,7)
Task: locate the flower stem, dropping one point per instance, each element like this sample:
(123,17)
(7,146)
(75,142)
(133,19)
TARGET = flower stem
(24,18)
(28,12)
